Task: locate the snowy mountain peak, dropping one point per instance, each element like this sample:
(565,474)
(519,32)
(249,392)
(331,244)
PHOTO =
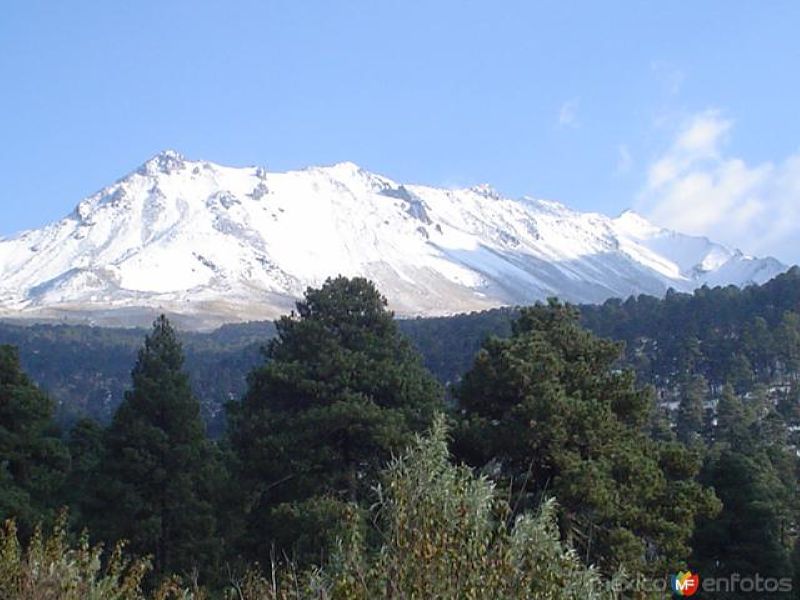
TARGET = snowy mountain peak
(170,154)
(635,224)
(165,161)
(352,176)
(214,244)
(486,190)
(344,167)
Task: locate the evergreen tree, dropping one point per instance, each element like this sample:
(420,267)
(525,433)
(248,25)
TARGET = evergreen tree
(86,445)
(788,344)
(340,390)
(759,343)
(691,412)
(33,460)
(749,536)
(789,406)
(733,419)
(550,410)
(753,470)
(157,472)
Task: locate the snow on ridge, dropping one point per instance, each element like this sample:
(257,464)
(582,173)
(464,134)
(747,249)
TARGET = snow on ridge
(229,243)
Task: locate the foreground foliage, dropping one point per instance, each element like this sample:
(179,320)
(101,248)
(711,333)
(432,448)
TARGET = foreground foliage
(445,534)
(52,569)
(548,411)
(442,532)
(33,460)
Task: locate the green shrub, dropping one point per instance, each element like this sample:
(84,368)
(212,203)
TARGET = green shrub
(436,531)
(445,534)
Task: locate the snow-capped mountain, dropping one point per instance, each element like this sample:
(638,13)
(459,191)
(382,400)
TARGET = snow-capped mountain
(217,244)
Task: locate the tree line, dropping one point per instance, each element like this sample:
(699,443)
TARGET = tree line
(306,483)
(747,337)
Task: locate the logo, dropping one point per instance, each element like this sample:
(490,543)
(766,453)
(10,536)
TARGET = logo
(685,584)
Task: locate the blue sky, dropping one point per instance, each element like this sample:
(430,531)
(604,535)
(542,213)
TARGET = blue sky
(687,111)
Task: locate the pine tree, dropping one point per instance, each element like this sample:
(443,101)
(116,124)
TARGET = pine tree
(754,472)
(749,536)
(340,390)
(157,471)
(33,460)
(549,411)
(691,412)
(733,418)
(788,345)
(789,405)
(86,445)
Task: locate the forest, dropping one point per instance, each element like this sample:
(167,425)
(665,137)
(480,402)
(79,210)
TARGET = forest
(547,451)
(743,336)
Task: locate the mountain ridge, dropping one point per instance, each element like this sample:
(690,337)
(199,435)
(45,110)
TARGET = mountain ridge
(215,244)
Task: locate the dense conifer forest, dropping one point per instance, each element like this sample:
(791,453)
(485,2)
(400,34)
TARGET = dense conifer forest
(547,451)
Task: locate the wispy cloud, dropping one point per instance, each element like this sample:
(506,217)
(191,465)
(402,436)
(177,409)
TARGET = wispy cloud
(568,114)
(695,187)
(669,75)
(624,159)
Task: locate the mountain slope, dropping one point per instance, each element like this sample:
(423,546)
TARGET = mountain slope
(218,244)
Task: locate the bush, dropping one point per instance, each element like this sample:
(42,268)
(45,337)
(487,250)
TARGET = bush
(52,569)
(443,533)
(436,531)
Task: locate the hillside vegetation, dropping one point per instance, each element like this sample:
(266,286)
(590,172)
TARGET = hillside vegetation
(558,463)
(746,336)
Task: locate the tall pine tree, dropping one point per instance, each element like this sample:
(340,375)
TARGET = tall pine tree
(33,460)
(157,472)
(339,391)
(86,444)
(691,413)
(550,412)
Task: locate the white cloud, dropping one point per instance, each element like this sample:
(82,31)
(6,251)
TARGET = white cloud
(697,142)
(568,114)
(696,188)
